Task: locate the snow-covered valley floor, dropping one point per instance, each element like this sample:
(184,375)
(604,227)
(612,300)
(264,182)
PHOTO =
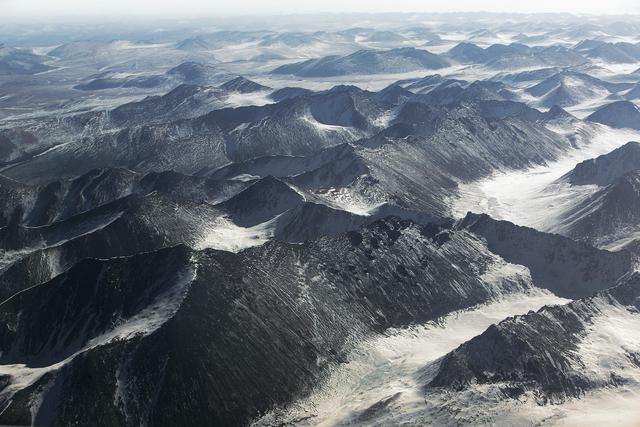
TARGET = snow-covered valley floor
(534,197)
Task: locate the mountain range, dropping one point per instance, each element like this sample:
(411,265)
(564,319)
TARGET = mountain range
(421,219)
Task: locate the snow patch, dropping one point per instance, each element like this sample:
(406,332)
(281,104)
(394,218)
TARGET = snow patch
(223,234)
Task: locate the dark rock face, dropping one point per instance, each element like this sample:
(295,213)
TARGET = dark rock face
(606,169)
(514,55)
(536,352)
(242,85)
(611,214)
(283,312)
(147,136)
(400,60)
(261,202)
(133,224)
(468,53)
(192,72)
(620,114)
(59,200)
(52,337)
(620,52)
(567,268)
(415,161)
(568,88)
(289,92)
(36,206)
(184,101)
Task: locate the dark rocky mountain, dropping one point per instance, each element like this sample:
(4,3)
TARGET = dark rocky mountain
(400,60)
(620,114)
(242,85)
(289,92)
(41,205)
(183,246)
(468,53)
(427,84)
(621,52)
(194,44)
(515,55)
(527,76)
(262,201)
(385,37)
(569,88)
(194,73)
(35,206)
(294,126)
(633,93)
(453,92)
(150,323)
(185,101)
(558,113)
(610,217)
(126,226)
(568,268)
(35,138)
(289,39)
(542,357)
(606,169)
(81,49)
(394,94)
(419,157)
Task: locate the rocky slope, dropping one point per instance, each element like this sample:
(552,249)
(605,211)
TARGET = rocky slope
(608,218)
(294,126)
(606,169)
(284,332)
(569,269)
(620,114)
(546,357)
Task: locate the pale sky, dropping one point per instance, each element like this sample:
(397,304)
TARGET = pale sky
(184,8)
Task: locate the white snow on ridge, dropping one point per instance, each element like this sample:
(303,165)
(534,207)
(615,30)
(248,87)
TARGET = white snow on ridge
(534,197)
(236,99)
(224,235)
(329,131)
(351,201)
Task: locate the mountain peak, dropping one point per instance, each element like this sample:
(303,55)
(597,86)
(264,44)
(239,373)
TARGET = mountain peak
(243,85)
(619,114)
(605,169)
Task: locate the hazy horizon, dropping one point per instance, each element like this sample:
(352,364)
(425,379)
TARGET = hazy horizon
(202,8)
